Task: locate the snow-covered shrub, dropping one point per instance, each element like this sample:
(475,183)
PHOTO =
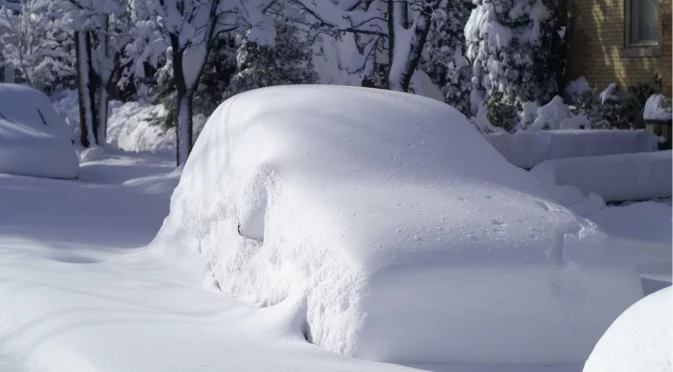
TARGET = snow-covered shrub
(551,115)
(657,107)
(577,90)
(612,108)
(444,52)
(287,62)
(511,44)
(501,111)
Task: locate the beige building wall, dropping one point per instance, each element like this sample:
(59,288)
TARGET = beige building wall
(598,47)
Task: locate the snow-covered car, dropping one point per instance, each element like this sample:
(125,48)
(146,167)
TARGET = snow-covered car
(34,139)
(396,230)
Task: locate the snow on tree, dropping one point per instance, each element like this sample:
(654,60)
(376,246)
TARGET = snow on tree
(390,34)
(187,30)
(101,32)
(34,43)
(444,53)
(288,61)
(511,46)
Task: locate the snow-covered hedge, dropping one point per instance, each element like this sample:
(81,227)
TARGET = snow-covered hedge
(614,177)
(527,149)
(639,340)
(394,226)
(34,139)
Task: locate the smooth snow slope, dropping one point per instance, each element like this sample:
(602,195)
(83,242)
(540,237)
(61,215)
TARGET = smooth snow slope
(641,339)
(404,234)
(34,139)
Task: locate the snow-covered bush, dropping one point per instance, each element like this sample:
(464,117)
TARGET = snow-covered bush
(444,54)
(501,111)
(311,198)
(512,44)
(612,108)
(658,107)
(287,62)
(551,115)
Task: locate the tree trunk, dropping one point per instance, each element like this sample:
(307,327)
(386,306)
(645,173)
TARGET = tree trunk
(92,86)
(85,103)
(185,125)
(417,44)
(102,113)
(183,133)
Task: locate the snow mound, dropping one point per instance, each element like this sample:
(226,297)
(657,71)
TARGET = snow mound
(527,149)
(641,339)
(34,139)
(620,177)
(408,237)
(655,109)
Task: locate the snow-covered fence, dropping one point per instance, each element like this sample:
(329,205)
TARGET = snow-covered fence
(622,177)
(527,149)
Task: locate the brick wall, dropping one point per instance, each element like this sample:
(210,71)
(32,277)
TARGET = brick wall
(597,46)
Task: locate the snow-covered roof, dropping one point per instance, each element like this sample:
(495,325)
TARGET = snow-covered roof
(398,229)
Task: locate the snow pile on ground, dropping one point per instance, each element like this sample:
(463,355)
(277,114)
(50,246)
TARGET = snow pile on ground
(367,208)
(656,108)
(641,339)
(527,149)
(620,177)
(34,140)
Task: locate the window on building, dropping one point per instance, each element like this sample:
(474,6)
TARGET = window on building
(644,22)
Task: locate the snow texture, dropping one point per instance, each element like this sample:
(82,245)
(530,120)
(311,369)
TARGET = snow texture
(641,339)
(656,110)
(528,149)
(344,198)
(575,122)
(621,177)
(34,139)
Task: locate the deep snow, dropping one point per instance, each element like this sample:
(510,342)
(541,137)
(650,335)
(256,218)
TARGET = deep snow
(77,296)
(375,207)
(34,139)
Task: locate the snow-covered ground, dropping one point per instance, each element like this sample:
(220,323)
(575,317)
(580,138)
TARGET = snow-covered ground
(77,295)
(79,292)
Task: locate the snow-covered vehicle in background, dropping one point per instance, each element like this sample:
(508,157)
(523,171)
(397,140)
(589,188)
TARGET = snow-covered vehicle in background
(400,234)
(34,139)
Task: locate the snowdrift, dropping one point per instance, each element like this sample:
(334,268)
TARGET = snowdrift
(403,234)
(614,177)
(641,339)
(34,139)
(528,149)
